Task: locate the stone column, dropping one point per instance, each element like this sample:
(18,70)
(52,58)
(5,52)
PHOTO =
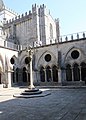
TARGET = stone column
(45,75)
(38,77)
(59,76)
(6,80)
(31,76)
(51,75)
(80,73)
(15,76)
(72,74)
(19,76)
(9,79)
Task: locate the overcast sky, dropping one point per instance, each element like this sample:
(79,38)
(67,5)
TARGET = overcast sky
(71,13)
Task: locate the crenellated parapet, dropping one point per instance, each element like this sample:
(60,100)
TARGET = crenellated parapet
(20,18)
(36,10)
(11,11)
(74,36)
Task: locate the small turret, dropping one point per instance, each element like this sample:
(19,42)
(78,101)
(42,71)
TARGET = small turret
(42,10)
(35,9)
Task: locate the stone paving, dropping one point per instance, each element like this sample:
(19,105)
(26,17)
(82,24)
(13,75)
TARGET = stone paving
(61,104)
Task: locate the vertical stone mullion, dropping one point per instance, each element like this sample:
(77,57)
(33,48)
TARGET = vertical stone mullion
(14,76)
(72,74)
(80,73)
(51,75)
(45,75)
(59,75)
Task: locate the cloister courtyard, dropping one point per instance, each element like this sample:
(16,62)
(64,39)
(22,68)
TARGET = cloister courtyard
(65,103)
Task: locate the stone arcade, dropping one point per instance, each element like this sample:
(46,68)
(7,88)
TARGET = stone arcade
(57,60)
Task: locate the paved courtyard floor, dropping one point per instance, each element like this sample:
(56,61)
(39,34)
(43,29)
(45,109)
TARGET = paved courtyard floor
(61,104)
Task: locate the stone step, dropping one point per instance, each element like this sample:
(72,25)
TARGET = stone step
(76,83)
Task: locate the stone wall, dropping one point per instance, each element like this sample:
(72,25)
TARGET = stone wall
(33,28)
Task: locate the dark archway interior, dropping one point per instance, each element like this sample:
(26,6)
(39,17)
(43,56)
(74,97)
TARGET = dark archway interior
(55,74)
(83,74)
(48,74)
(68,73)
(76,72)
(17,70)
(83,71)
(42,74)
(24,75)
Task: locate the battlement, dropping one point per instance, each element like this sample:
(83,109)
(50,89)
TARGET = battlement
(27,15)
(11,11)
(74,36)
(43,6)
(37,6)
(20,18)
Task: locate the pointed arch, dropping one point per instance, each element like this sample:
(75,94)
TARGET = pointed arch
(71,50)
(14,57)
(68,52)
(42,58)
(22,60)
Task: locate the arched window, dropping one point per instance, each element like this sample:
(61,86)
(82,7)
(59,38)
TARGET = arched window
(83,71)
(51,31)
(68,73)
(24,75)
(76,72)
(48,74)
(55,73)
(42,74)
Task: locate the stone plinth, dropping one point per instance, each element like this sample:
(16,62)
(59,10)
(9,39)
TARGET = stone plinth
(34,91)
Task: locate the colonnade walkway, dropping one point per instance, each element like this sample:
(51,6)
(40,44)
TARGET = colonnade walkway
(64,103)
